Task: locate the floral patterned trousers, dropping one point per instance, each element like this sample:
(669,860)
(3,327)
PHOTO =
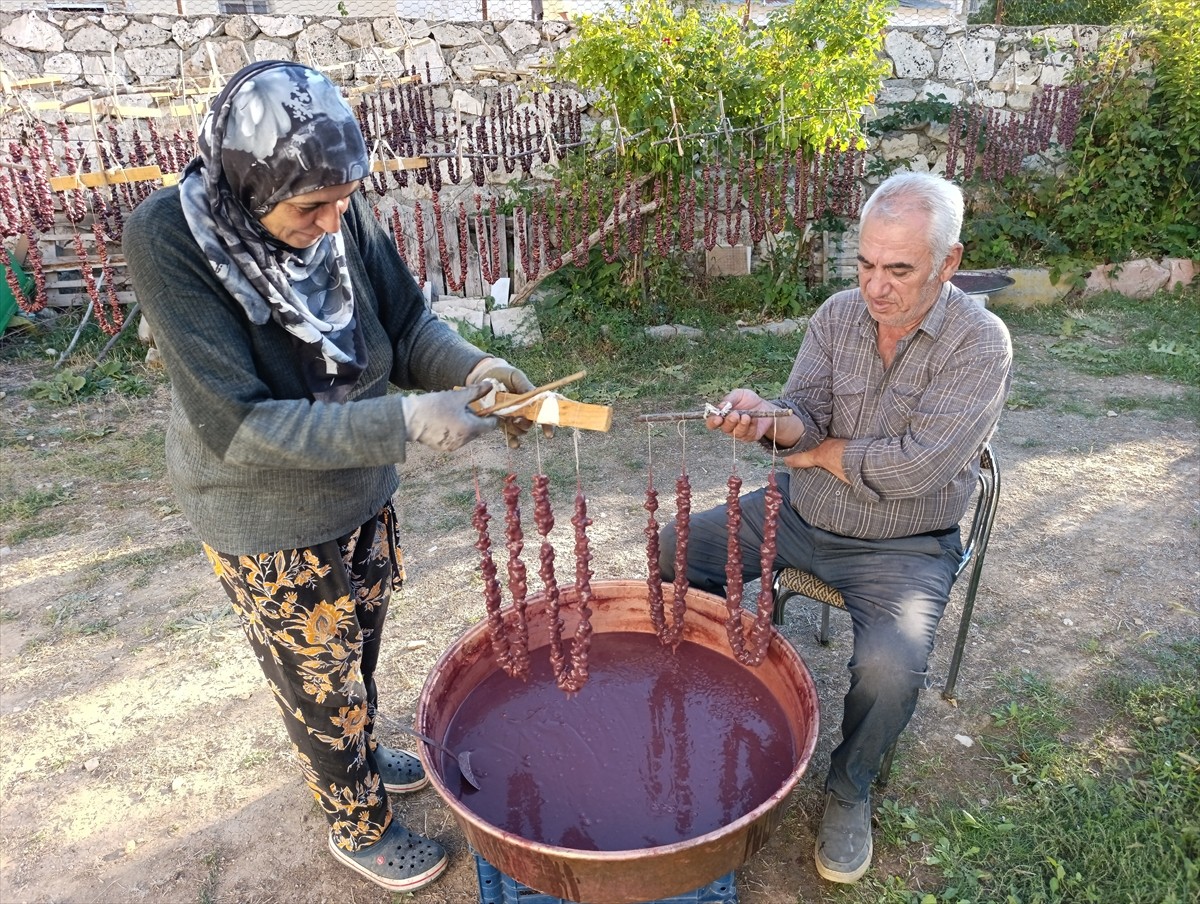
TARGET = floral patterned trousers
(314,617)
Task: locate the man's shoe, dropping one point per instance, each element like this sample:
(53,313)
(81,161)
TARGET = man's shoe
(400,770)
(844,841)
(400,860)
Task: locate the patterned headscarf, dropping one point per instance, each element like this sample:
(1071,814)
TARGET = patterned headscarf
(278,130)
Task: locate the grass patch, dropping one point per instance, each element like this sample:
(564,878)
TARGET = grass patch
(134,566)
(1114,335)
(1114,818)
(32,502)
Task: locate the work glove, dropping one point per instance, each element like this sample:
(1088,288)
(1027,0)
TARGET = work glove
(497,370)
(442,420)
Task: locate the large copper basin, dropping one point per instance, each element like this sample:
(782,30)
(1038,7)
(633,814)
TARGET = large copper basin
(618,876)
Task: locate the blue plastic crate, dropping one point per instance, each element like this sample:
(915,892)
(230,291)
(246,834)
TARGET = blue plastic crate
(497,888)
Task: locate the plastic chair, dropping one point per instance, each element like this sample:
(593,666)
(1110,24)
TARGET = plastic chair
(790,582)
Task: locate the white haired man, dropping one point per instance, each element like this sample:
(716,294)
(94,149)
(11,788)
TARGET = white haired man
(896,388)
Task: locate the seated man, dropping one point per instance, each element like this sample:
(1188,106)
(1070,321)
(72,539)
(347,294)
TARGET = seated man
(895,390)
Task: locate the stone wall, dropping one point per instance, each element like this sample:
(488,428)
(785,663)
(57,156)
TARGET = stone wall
(125,56)
(993,66)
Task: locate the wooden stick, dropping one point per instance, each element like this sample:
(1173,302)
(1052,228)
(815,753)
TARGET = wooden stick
(526,396)
(671,416)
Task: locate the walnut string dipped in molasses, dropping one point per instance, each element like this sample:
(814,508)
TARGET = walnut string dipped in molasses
(577,675)
(671,635)
(761,633)
(543,516)
(654,593)
(491,589)
(733,569)
(518,582)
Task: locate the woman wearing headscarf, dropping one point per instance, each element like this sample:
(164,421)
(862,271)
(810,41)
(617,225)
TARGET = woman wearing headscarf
(283,312)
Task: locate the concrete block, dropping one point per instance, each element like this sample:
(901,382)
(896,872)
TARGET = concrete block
(1031,288)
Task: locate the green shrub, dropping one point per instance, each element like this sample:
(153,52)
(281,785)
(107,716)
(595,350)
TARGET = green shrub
(1054,12)
(1133,175)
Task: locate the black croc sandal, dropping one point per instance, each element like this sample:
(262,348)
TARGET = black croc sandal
(401,771)
(399,861)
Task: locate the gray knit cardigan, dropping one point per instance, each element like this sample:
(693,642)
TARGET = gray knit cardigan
(256,463)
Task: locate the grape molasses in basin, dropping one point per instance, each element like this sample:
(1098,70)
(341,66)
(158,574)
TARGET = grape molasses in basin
(664,772)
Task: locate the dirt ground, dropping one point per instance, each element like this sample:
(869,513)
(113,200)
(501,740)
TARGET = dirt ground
(143,758)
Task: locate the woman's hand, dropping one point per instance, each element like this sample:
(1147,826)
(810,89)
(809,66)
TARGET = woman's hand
(513,380)
(443,420)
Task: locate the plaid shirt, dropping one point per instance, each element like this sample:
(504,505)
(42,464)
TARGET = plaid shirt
(916,429)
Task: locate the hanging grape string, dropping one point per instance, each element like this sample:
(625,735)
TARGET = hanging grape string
(488,239)
(419,226)
(116,315)
(398,235)
(710,207)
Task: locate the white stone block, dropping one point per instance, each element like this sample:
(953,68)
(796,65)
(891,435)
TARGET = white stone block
(910,57)
(279,26)
(320,46)
(142,34)
(30,33)
(1052,76)
(904,146)
(987,98)
(67,64)
(452,314)
(189,32)
(520,35)
(241,27)
(358,35)
(91,39)
(519,324)
(949,93)
(500,291)
(466,103)
(1020,101)
(153,64)
(266,49)
(967,60)
(896,92)
(104,70)
(448,34)
(489,58)
(426,53)
(454,303)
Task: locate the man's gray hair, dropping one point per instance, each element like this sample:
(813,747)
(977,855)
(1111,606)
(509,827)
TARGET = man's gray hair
(942,200)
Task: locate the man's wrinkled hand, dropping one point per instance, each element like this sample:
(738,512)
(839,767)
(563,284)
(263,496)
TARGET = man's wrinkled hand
(497,370)
(736,424)
(443,420)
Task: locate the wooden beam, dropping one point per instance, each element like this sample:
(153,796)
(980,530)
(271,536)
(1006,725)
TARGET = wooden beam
(560,412)
(108,177)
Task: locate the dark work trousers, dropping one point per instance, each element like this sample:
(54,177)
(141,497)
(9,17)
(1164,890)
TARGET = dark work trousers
(895,590)
(314,617)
